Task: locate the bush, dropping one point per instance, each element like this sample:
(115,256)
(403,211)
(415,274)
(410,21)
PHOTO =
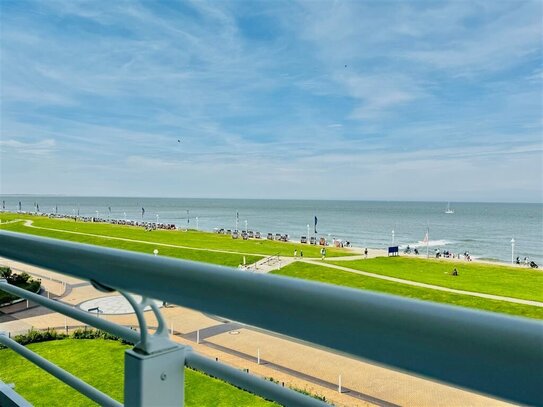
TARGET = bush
(22,280)
(86,333)
(34,336)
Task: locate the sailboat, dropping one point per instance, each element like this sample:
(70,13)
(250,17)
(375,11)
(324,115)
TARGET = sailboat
(449,210)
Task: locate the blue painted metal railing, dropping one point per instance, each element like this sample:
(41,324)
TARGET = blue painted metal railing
(486,352)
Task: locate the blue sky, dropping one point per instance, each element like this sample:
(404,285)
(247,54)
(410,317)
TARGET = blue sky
(317,100)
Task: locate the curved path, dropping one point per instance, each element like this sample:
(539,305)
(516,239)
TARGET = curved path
(430,286)
(29,223)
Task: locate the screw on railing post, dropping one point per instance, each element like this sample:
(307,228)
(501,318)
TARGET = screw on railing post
(339,385)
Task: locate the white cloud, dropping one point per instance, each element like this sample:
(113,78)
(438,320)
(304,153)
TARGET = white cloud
(32,148)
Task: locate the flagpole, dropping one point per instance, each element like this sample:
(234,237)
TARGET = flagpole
(428,242)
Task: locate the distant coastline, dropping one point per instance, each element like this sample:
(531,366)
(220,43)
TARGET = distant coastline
(482,229)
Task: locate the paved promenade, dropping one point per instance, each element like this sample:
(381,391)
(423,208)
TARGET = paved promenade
(294,363)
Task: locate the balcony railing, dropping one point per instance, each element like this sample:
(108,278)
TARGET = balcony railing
(489,353)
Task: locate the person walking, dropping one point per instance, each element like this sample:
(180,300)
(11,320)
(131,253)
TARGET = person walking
(366,253)
(295,252)
(301,253)
(323,253)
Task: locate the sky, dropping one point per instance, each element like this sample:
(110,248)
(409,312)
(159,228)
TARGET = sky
(392,100)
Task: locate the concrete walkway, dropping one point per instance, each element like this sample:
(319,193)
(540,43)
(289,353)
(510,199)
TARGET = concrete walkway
(424,285)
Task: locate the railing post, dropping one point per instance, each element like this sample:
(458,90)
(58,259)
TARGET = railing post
(157,379)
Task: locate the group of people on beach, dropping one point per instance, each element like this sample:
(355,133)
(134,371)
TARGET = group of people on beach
(447,254)
(526,262)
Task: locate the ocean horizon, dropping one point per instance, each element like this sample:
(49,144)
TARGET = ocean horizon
(484,229)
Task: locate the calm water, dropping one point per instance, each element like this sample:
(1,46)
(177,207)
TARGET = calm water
(483,229)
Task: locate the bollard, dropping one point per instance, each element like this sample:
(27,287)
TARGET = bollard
(258,356)
(339,385)
(198,336)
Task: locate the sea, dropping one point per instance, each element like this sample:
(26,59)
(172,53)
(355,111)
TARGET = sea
(485,230)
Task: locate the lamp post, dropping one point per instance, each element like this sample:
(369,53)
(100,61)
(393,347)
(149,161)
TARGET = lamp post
(246,230)
(392,236)
(157,218)
(513,251)
(308,230)
(125,216)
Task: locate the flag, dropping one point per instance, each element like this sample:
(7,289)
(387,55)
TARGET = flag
(316,220)
(3,205)
(56,208)
(20,205)
(425,240)
(237,216)
(109,208)
(142,212)
(37,207)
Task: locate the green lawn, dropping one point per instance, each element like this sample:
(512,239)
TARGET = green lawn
(191,238)
(224,259)
(101,364)
(344,278)
(478,277)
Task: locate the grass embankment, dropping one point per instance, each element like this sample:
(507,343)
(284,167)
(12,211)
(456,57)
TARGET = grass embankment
(505,281)
(190,239)
(344,278)
(224,259)
(101,364)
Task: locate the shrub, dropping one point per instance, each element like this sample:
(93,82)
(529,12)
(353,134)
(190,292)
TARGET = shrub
(34,336)
(86,333)
(23,280)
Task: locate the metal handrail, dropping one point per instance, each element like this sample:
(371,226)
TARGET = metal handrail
(193,360)
(127,334)
(68,378)
(486,352)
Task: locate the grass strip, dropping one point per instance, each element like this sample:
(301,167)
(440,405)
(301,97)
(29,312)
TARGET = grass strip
(329,275)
